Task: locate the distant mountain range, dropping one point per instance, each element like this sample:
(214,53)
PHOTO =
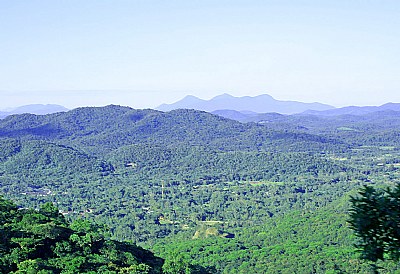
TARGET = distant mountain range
(391,109)
(38,109)
(354,110)
(244,109)
(264,107)
(258,104)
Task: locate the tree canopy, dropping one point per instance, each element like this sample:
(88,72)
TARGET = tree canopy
(42,241)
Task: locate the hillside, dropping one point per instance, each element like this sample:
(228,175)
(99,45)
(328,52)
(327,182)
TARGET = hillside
(100,130)
(349,127)
(205,187)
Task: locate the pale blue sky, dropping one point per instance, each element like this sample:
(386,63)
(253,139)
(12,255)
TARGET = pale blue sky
(142,53)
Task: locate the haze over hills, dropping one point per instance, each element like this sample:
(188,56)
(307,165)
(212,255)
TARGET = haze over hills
(38,109)
(259,104)
(355,110)
(243,109)
(241,116)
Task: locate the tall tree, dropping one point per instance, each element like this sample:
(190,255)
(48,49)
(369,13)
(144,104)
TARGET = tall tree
(375,218)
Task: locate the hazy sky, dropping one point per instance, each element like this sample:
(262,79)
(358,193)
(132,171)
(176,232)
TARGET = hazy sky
(142,53)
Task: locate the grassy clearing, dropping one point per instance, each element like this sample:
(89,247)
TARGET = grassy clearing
(259,183)
(211,222)
(346,129)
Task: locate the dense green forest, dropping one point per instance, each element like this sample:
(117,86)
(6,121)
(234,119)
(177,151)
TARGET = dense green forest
(42,241)
(203,192)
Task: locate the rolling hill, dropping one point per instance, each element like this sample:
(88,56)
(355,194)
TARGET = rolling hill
(278,188)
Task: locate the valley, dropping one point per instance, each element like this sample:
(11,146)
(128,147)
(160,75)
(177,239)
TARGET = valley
(205,192)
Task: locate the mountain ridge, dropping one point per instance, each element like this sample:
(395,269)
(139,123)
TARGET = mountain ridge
(38,109)
(355,110)
(261,104)
(243,116)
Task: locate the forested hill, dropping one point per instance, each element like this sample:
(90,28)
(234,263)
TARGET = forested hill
(100,130)
(205,192)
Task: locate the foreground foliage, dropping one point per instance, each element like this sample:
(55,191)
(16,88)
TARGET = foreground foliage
(375,218)
(41,241)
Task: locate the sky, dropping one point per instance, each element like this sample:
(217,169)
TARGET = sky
(142,53)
